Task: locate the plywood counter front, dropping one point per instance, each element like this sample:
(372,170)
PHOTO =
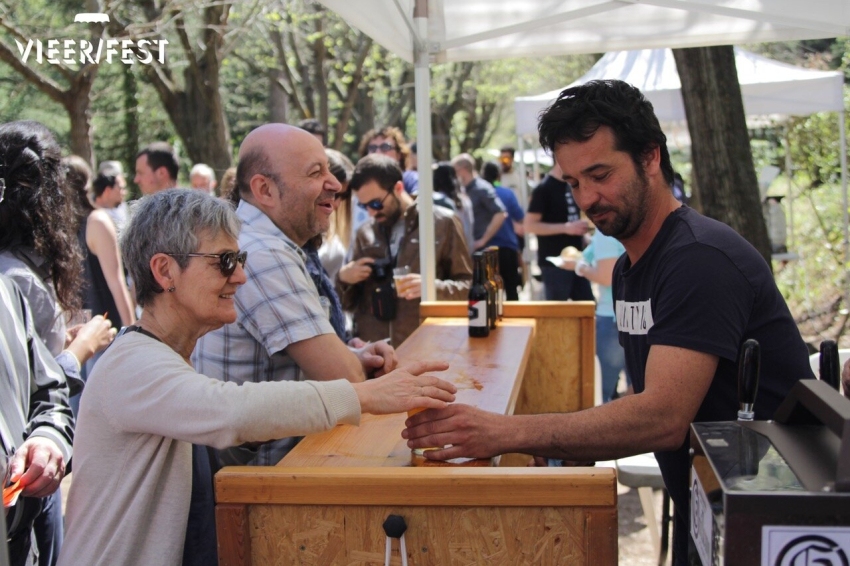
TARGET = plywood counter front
(324,504)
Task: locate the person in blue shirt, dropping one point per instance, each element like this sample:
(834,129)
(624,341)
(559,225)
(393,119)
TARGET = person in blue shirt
(597,266)
(507,237)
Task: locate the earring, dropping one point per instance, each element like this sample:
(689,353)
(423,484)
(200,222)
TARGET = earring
(171,289)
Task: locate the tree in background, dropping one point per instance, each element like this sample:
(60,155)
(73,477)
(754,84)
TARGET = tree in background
(723,176)
(68,85)
(192,98)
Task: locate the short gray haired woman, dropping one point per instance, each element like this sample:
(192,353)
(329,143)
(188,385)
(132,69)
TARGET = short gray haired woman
(145,405)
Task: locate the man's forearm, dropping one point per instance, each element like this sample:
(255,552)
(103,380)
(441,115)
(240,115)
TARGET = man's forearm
(621,428)
(543,228)
(493,227)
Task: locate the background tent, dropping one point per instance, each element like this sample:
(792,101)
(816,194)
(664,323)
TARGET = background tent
(768,87)
(426,31)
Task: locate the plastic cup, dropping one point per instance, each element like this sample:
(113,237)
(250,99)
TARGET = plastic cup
(398,274)
(419,451)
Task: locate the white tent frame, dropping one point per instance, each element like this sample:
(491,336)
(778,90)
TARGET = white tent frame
(426,31)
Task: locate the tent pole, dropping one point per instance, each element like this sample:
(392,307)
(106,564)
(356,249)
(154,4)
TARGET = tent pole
(425,199)
(842,128)
(790,193)
(523,186)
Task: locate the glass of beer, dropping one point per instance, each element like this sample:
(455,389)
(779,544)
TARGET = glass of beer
(399,273)
(419,451)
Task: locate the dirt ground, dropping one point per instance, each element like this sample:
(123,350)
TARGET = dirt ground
(635,545)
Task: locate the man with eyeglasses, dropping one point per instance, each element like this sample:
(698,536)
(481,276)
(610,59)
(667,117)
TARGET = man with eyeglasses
(391,240)
(390,141)
(282,331)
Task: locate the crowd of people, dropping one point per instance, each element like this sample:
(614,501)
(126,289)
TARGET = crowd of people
(270,310)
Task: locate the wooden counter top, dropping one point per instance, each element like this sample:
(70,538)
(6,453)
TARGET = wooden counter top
(487,372)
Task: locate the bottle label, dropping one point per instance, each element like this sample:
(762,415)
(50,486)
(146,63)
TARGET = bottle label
(478,313)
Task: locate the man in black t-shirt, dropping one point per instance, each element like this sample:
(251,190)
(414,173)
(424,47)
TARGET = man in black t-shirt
(688,292)
(554,217)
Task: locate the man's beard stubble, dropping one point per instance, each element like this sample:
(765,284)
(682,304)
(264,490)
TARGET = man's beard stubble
(629,217)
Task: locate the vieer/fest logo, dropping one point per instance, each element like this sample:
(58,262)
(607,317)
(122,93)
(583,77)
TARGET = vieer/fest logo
(71,51)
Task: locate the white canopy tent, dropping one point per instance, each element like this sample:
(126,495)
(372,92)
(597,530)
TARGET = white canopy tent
(426,31)
(768,88)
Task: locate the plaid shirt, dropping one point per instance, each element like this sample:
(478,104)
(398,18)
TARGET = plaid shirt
(277,306)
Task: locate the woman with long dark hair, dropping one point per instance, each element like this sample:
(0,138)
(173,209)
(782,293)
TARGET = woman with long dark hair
(446,182)
(40,253)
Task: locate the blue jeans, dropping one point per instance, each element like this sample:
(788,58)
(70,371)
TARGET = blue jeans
(49,529)
(612,358)
(563,285)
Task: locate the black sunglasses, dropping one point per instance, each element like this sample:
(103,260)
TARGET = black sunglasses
(375,204)
(383,148)
(226,260)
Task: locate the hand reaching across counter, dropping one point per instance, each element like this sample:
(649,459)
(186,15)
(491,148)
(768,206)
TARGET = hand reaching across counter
(377,358)
(471,432)
(406,388)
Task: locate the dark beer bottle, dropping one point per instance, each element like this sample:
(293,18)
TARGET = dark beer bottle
(491,287)
(500,282)
(479,299)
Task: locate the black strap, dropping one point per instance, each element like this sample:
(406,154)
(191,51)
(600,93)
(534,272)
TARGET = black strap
(137,328)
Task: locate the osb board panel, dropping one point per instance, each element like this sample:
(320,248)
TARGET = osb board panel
(445,536)
(554,375)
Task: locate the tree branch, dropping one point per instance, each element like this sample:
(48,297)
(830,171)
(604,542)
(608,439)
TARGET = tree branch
(42,82)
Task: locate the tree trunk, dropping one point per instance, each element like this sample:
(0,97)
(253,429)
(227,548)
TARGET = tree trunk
(78,105)
(723,171)
(277,103)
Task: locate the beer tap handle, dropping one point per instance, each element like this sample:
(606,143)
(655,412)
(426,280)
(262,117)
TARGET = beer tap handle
(830,364)
(749,361)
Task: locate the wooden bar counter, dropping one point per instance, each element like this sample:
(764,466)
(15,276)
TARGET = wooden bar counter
(325,503)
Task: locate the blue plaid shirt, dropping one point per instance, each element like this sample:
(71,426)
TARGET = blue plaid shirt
(277,306)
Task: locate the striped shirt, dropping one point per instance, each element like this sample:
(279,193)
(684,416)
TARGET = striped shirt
(33,392)
(277,306)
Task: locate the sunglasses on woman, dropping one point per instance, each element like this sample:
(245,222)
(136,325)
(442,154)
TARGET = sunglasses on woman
(376,204)
(383,147)
(226,260)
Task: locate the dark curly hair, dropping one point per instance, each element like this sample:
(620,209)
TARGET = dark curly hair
(38,212)
(445,180)
(580,111)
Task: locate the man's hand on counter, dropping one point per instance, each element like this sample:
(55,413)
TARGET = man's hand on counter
(471,432)
(377,358)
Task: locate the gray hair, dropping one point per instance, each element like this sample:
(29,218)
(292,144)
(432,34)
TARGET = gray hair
(464,161)
(111,168)
(171,221)
(204,170)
